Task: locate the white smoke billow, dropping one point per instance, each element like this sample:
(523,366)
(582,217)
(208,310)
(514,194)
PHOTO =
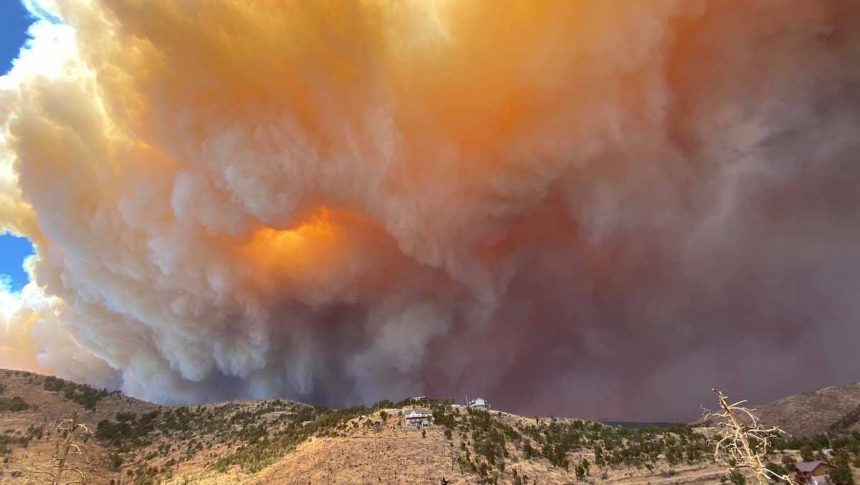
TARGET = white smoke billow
(585,208)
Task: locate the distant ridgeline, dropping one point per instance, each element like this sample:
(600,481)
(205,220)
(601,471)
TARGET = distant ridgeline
(82,394)
(484,437)
(149,442)
(641,424)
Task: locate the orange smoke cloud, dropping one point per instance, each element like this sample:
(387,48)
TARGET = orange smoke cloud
(290,247)
(345,201)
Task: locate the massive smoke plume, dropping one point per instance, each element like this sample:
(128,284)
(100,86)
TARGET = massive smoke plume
(599,209)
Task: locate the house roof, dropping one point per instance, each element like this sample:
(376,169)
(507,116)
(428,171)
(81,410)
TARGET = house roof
(808,466)
(417,413)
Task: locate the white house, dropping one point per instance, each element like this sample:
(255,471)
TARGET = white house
(417,418)
(479,403)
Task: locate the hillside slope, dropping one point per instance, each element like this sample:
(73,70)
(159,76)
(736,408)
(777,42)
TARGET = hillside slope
(31,405)
(833,409)
(279,441)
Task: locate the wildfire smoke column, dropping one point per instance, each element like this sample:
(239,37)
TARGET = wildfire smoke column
(587,208)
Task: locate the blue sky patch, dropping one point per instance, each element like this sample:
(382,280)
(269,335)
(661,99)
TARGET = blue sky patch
(14,21)
(13,251)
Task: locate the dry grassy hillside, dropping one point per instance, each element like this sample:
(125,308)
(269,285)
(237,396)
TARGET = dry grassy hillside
(831,409)
(279,441)
(34,405)
(386,452)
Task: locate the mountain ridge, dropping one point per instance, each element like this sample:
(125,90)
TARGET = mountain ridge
(282,441)
(829,409)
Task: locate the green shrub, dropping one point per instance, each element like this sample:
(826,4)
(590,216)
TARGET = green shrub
(737,478)
(116,461)
(13,404)
(82,394)
(776,469)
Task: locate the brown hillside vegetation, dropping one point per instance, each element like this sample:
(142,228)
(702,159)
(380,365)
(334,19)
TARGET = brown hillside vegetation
(280,441)
(28,438)
(832,409)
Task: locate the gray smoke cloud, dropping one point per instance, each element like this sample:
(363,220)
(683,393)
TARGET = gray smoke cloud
(591,209)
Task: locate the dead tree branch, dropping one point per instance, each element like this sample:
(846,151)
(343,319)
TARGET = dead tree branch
(743,441)
(69,431)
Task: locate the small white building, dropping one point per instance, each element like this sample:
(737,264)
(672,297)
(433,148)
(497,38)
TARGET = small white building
(479,403)
(417,418)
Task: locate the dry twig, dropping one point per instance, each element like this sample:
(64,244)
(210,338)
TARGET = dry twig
(69,430)
(744,442)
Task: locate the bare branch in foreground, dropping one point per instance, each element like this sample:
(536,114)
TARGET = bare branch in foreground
(744,442)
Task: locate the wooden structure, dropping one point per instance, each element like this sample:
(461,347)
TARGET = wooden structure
(813,472)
